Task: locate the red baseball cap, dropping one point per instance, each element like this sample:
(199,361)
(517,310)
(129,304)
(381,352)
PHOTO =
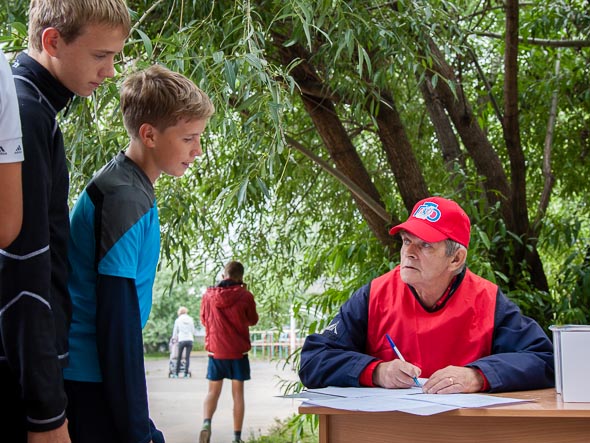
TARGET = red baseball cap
(435,219)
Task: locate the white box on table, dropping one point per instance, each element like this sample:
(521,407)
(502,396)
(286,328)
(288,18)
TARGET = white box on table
(571,345)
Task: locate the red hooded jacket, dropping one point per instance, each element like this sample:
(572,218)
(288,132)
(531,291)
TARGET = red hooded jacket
(227,312)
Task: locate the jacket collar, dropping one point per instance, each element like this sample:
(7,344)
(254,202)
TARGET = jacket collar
(56,93)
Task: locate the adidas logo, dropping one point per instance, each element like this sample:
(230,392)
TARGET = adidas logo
(18,149)
(2,151)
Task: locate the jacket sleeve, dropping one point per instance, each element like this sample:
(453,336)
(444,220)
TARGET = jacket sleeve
(175,330)
(336,357)
(204,310)
(120,352)
(31,320)
(251,313)
(522,354)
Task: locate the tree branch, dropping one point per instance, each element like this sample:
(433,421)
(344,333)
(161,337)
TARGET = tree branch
(549,178)
(356,190)
(486,83)
(511,126)
(541,41)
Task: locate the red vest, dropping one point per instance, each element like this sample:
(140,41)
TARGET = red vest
(457,334)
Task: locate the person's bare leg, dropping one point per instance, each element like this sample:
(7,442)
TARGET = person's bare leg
(209,407)
(237,391)
(211,399)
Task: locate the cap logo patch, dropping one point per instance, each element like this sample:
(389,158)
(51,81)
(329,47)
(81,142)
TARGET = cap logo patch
(428,211)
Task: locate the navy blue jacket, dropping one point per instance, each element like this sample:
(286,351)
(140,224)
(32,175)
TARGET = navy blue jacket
(521,356)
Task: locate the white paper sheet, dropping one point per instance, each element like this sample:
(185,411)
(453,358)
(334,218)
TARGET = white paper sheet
(410,400)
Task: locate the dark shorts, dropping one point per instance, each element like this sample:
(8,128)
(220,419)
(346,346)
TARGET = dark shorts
(238,369)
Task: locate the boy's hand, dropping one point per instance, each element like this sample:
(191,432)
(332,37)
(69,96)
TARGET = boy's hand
(59,435)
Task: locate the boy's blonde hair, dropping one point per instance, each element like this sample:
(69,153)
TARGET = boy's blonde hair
(70,17)
(161,97)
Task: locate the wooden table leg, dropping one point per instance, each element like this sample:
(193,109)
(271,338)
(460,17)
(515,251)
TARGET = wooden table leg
(324,420)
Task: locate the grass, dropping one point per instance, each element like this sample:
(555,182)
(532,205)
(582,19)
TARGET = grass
(297,429)
(156,355)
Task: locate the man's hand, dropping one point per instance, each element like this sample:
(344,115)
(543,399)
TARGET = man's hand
(454,379)
(59,435)
(395,374)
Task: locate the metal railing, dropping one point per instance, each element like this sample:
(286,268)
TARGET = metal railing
(274,344)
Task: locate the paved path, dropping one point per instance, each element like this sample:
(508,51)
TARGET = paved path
(176,405)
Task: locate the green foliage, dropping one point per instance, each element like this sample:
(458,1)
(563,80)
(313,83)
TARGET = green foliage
(566,242)
(170,293)
(295,429)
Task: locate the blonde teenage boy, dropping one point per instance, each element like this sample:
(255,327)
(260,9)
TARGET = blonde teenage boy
(72,46)
(114,250)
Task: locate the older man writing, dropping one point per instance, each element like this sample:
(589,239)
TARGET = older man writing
(453,327)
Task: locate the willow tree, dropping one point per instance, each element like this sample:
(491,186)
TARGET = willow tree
(391,102)
(335,117)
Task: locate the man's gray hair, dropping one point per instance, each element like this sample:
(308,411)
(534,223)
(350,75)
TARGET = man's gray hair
(451,247)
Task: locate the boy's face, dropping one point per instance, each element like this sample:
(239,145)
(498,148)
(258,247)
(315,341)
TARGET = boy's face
(83,64)
(176,148)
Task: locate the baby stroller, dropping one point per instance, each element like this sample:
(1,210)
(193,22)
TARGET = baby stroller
(173,346)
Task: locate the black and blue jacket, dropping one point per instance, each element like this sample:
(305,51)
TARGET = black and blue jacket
(114,251)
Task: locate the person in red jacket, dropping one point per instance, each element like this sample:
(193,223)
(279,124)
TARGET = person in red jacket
(227,312)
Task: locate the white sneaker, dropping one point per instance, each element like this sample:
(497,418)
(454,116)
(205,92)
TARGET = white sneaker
(205,435)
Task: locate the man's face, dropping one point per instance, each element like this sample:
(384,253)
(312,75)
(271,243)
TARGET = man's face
(83,64)
(424,265)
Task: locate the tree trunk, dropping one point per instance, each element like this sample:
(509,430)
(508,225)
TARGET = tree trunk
(346,160)
(442,127)
(334,136)
(511,125)
(511,128)
(485,158)
(401,158)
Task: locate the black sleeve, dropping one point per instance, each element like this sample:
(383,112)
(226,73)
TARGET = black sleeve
(34,302)
(120,352)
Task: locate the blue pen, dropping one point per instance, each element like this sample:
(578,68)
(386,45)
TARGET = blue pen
(400,356)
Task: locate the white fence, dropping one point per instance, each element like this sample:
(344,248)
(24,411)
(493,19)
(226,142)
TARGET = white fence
(274,344)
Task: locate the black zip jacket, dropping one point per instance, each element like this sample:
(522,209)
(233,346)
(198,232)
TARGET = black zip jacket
(35,307)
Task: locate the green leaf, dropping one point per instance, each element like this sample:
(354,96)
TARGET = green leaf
(147,43)
(243,191)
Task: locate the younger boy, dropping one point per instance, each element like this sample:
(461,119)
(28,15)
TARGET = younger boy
(227,311)
(72,46)
(114,250)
